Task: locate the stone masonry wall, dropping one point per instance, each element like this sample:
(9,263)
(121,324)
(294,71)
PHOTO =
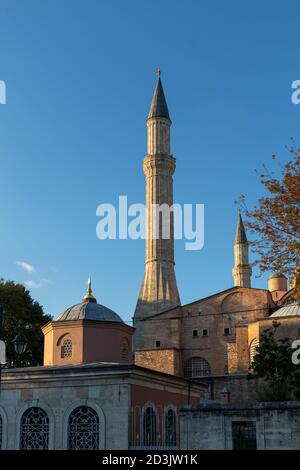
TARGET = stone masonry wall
(277,426)
(163,360)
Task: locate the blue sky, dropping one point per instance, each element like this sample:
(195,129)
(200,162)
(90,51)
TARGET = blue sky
(80,77)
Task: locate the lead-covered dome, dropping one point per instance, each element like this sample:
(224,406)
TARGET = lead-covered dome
(89,309)
(289,310)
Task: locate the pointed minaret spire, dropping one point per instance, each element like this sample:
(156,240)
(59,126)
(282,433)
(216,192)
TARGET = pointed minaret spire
(240,236)
(159,107)
(89,293)
(159,288)
(242,270)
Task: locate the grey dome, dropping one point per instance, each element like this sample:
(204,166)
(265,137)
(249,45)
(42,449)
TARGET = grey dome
(89,311)
(290,310)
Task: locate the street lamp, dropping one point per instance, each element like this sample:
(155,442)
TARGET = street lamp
(20,343)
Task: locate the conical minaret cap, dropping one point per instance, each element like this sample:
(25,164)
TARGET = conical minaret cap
(89,293)
(159,106)
(240,236)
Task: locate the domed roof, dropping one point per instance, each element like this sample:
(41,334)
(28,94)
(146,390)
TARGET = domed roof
(290,310)
(277,275)
(89,309)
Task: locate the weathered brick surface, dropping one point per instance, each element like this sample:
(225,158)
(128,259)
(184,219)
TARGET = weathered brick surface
(236,307)
(163,360)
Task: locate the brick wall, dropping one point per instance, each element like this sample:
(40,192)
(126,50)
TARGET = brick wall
(163,360)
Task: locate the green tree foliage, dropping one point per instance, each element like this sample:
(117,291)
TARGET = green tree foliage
(22,314)
(273,363)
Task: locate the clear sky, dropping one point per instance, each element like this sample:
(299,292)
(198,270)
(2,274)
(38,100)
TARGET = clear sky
(80,77)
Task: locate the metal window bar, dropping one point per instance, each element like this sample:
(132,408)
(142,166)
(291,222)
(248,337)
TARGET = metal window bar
(83,429)
(196,367)
(145,432)
(67,349)
(170,429)
(244,435)
(34,432)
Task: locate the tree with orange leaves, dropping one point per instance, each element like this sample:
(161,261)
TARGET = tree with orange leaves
(275,220)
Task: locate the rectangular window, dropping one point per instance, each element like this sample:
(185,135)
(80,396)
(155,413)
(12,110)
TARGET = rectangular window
(157,344)
(205,332)
(226,331)
(243,435)
(195,333)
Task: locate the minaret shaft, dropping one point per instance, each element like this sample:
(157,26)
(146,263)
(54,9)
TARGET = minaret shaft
(159,191)
(158,136)
(159,288)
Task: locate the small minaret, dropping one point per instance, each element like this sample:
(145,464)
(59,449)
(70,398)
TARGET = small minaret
(242,270)
(159,288)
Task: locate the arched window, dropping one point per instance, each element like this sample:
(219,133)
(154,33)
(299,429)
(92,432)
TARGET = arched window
(1,431)
(253,349)
(83,429)
(170,428)
(66,348)
(34,432)
(196,367)
(149,427)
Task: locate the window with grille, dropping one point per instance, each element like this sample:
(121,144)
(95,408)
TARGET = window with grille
(195,333)
(196,367)
(83,429)
(149,427)
(170,428)
(1,431)
(243,435)
(34,432)
(66,348)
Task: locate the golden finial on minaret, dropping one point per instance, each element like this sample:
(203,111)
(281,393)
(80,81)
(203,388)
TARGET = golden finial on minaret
(89,293)
(158,72)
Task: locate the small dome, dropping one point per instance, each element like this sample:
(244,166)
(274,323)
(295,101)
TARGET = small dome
(277,275)
(290,310)
(89,311)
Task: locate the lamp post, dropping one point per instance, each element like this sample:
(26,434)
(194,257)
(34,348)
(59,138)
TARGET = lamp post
(20,343)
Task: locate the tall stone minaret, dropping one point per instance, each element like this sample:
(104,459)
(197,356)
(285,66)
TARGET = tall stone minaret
(242,270)
(159,289)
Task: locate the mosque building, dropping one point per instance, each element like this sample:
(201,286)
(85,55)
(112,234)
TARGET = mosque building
(107,385)
(213,338)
